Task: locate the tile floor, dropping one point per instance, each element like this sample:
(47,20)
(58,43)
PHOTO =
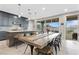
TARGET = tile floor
(72,47)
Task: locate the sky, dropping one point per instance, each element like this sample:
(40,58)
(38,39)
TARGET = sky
(68,23)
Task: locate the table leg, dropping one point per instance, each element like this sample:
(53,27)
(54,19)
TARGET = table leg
(25,49)
(31,47)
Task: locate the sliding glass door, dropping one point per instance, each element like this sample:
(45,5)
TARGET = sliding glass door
(71,27)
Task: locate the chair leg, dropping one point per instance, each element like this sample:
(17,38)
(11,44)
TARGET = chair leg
(52,50)
(52,53)
(55,49)
(60,43)
(25,49)
(37,53)
(16,45)
(58,47)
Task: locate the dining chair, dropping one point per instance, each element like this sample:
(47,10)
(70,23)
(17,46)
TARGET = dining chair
(47,50)
(56,44)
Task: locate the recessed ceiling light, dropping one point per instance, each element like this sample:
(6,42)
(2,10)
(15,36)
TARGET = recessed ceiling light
(21,13)
(19,16)
(65,10)
(28,9)
(19,4)
(43,8)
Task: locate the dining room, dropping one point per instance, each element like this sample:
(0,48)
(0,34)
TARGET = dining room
(27,29)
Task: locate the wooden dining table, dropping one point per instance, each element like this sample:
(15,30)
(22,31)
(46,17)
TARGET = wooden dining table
(38,41)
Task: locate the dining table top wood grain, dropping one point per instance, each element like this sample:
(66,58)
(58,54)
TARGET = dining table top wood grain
(40,40)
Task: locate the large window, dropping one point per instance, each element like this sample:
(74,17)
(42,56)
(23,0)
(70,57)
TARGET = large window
(54,24)
(72,23)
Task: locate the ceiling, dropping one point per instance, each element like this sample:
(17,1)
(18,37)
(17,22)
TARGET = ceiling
(34,11)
